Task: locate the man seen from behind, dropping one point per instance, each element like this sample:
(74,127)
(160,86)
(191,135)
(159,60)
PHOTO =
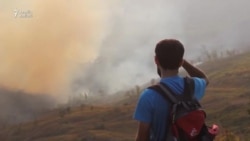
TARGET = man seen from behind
(153,111)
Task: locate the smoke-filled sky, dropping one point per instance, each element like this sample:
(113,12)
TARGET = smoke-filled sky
(42,41)
(63,47)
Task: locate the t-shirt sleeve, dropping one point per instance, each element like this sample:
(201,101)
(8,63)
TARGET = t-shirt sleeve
(144,108)
(200,86)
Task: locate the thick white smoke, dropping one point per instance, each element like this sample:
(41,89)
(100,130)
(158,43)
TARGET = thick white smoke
(126,55)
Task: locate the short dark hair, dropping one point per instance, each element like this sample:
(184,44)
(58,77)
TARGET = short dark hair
(169,53)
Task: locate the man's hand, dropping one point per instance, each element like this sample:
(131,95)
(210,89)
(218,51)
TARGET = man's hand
(193,71)
(143,132)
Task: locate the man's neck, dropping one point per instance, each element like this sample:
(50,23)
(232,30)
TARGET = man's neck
(169,73)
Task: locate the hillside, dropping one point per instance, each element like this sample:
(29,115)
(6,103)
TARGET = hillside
(228,96)
(226,102)
(19,106)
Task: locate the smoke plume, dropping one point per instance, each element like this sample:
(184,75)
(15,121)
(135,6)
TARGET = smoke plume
(41,42)
(126,56)
(74,46)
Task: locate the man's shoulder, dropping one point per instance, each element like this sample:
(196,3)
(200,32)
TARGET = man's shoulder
(148,93)
(199,81)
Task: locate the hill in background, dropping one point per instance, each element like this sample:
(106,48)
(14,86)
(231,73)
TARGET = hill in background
(227,102)
(19,106)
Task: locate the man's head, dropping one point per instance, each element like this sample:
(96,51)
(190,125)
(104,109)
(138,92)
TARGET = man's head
(169,54)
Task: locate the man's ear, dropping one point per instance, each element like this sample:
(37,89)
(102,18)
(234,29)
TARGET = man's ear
(156,61)
(158,65)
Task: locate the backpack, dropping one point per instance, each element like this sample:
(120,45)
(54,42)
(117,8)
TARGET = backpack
(187,119)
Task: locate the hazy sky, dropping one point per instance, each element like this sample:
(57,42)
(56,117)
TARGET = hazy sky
(63,47)
(222,23)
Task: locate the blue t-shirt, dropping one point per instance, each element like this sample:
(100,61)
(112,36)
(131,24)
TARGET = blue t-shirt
(152,108)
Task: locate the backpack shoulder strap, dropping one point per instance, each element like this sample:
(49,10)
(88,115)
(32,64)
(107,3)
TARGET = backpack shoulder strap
(165,92)
(188,95)
(169,95)
(189,86)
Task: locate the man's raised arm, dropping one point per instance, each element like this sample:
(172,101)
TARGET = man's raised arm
(194,71)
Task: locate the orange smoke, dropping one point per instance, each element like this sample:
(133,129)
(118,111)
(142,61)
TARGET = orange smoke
(39,52)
